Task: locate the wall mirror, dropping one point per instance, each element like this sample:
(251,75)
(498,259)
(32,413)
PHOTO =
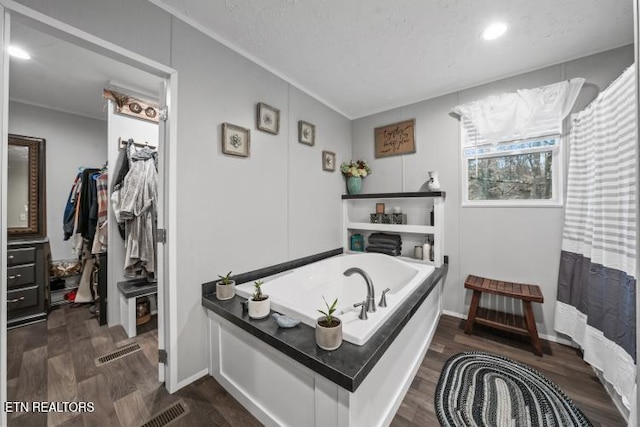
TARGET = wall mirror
(26,198)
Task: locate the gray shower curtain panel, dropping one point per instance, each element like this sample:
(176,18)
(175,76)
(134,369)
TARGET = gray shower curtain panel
(597,284)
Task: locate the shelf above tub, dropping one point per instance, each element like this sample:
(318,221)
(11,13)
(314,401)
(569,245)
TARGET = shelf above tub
(403,195)
(402,258)
(398,228)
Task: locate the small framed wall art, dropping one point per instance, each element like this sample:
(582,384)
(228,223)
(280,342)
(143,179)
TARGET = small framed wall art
(328,161)
(235,140)
(268,118)
(306,132)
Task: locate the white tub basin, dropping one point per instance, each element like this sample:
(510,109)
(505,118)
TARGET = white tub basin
(299,293)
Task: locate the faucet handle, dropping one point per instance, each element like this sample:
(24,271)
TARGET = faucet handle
(383,299)
(363,310)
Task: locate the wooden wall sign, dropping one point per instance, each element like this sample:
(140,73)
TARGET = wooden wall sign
(395,139)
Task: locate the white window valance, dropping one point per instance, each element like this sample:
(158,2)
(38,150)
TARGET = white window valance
(523,114)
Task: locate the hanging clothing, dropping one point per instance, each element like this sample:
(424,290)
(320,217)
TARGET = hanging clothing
(87,211)
(120,171)
(100,238)
(597,284)
(69,217)
(137,207)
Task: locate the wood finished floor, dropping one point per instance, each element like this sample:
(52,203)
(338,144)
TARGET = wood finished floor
(54,361)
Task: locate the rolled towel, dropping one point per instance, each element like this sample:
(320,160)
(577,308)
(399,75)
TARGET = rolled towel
(391,252)
(388,246)
(386,236)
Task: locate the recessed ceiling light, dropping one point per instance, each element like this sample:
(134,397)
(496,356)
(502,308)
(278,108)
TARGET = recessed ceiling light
(18,52)
(494,31)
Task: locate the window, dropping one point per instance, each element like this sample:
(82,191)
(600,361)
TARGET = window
(520,172)
(512,146)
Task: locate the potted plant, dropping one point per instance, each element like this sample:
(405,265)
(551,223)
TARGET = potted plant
(329,328)
(259,304)
(354,171)
(225,287)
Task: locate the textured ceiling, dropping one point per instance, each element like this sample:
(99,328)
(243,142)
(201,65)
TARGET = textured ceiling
(366,56)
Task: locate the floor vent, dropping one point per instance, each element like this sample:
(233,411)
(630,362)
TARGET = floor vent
(173,412)
(117,354)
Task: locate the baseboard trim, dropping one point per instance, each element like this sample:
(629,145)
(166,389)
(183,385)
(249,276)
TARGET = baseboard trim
(193,378)
(454,314)
(552,338)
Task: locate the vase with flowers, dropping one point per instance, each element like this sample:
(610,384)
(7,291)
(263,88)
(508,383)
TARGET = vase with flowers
(354,171)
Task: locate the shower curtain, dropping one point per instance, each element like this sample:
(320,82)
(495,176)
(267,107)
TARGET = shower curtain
(597,283)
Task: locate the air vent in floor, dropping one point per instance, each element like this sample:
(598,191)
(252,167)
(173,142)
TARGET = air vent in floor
(117,354)
(173,412)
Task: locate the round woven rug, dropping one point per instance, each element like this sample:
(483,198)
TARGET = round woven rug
(482,389)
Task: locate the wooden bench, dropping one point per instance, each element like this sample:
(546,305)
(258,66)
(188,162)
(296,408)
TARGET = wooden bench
(524,325)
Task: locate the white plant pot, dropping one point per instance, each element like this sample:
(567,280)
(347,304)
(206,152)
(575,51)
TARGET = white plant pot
(224,292)
(328,338)
(259,309)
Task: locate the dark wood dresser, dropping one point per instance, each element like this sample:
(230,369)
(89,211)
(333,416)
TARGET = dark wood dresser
(27,281)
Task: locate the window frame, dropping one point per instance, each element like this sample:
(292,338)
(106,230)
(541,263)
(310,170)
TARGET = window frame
(557,173)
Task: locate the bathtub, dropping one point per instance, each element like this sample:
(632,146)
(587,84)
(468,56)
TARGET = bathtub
(299,292)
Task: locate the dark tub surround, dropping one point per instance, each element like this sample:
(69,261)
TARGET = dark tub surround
(250,276)
(347,366)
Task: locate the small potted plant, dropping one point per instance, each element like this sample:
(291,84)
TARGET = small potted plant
(354,171)
(329,328)
(225,287)
(259,304)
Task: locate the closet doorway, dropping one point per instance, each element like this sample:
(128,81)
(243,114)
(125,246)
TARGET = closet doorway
(57,96)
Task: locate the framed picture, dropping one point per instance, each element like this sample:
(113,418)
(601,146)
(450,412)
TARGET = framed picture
(235,140)
(268,118)
(379,208)
(328,161)
(306,133)
(395,139)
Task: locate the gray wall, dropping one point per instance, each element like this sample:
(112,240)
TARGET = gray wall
(233,214)
(515,244)
(71,141)
(237,213)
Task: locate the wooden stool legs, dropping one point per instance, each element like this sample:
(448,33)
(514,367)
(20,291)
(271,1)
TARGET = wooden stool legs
(473,309)
(531,327)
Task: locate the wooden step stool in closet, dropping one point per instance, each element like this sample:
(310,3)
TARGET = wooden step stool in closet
(523,325)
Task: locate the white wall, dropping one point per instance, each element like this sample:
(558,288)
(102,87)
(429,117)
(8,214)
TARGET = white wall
(233,214)
(514,244)
(125,127)
(71,141)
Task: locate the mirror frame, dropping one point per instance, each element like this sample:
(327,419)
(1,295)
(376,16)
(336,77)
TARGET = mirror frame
(37,225)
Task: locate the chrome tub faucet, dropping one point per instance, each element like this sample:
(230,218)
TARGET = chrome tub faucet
(371,293)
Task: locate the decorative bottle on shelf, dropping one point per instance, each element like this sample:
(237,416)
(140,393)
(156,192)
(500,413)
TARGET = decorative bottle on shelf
(432,255)
(426,250)
(433,184)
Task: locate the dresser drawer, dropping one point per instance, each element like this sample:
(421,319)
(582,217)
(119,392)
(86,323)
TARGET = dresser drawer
(21,256)
(20,275)
(22,298)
